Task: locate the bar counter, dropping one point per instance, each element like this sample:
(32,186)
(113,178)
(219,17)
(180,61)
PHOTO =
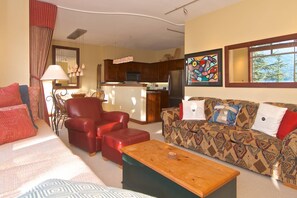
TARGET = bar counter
(141,104)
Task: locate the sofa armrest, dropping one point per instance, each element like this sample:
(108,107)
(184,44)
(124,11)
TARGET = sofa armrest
(116,116)
(170,115)
(80,124)
(289,159)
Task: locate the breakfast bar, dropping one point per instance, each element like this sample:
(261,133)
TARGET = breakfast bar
(143,105)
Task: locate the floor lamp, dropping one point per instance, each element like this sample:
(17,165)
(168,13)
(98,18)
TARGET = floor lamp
(53,73)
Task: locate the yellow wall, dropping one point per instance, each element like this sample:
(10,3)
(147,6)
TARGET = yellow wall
(245,21)
(14,41)
(92,55)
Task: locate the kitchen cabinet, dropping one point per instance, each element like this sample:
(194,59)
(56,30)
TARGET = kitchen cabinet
(163,71)
(155,101)
(153,106)
(164,99)
(110,71)
(150,72)
(176,64)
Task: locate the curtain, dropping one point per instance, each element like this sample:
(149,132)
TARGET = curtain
(42,22)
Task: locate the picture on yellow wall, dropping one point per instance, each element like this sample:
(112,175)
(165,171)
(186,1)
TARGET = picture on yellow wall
(204,68)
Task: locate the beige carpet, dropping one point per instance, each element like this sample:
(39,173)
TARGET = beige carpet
(249,184)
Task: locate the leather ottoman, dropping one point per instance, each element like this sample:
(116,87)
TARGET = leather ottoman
(112,142)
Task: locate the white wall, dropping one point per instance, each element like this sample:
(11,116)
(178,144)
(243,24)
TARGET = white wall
(245,21)
(14,41)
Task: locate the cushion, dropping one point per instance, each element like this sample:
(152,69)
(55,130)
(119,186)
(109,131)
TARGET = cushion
(225,114)
(15,124)
(268,118)
(181,111)
(288,124)
(193,110)
(34,100)
(10,95)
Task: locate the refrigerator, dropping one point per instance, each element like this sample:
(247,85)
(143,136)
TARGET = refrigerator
(176,84)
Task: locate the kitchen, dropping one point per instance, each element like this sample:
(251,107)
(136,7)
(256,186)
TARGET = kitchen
(141,89)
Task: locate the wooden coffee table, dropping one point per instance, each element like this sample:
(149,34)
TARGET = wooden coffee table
(148,168)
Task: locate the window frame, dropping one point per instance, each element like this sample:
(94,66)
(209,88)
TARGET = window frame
(256,84)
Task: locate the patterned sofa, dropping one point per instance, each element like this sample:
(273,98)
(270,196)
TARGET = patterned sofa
(239,144)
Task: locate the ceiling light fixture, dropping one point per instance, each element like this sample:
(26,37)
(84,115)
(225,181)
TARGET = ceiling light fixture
(123,60)
(77,33)
(123,13)
(180,7)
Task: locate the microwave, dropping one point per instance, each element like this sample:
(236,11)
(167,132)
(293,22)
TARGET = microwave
(133,76)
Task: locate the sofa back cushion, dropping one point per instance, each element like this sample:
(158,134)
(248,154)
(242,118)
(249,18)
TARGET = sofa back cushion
(291,107)
(209,105)
(247,114)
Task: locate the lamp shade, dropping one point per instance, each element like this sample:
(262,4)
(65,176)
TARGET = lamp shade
(54,72)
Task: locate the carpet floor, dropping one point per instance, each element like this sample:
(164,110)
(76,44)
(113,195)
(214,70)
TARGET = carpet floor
(249,184)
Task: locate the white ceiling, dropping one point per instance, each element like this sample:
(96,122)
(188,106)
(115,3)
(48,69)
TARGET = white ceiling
(130,31)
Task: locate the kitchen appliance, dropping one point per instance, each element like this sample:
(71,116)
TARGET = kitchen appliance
(133,76)
(176,84)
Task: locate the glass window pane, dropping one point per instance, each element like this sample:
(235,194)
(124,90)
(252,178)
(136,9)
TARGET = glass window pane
(283,50)
(261,53)
(277,68)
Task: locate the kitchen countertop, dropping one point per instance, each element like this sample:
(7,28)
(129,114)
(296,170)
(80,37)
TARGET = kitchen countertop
(125,84)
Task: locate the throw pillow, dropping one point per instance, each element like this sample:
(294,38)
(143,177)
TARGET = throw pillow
(288,124)
(181,110)
(15,124)
(225,114)
(34,100)
(193,110)
(268,119)
(10,95)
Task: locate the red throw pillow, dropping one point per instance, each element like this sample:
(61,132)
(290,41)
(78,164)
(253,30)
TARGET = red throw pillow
(10,95)
(288,124)
(15,124)
(181,112)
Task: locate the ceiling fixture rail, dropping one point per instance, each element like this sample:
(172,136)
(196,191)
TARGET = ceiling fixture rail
(175,31)
(123,13)
(180,7)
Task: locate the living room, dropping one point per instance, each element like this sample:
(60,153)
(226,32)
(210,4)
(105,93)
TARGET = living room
(247,20)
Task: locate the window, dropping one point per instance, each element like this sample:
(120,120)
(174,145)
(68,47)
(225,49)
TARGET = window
(268,62)
(274,62)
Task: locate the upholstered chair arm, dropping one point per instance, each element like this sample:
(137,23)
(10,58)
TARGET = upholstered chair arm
(81,124)
(289,159)
(170,115)
(116,116)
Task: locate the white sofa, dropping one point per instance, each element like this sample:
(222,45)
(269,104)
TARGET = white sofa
(42,166)
(28,162)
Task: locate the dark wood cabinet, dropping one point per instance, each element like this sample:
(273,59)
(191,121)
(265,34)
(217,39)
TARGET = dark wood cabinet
(176,64)
(163,71)
(110,71)
(150,72)
(164,99)
(153,106)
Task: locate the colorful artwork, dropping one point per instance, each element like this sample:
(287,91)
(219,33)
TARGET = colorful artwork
(204,68)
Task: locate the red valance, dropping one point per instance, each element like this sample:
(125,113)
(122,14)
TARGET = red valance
(42,14)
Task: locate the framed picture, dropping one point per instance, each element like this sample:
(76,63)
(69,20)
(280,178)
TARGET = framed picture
(204,68)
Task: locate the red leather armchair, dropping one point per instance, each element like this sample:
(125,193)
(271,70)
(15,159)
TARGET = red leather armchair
(87,122)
